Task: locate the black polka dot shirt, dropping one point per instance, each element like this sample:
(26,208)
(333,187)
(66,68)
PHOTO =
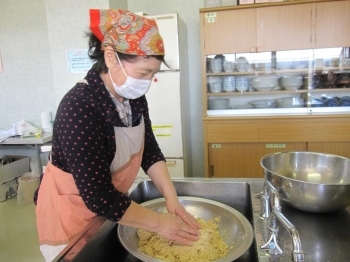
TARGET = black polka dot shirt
(83,144)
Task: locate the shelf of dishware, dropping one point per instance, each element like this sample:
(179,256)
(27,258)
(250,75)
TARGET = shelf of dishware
(274,83)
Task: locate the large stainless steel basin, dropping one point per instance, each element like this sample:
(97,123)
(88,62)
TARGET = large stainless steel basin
(105,246)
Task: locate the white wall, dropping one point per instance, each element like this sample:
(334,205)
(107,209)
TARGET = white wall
(26,85)
(33,42)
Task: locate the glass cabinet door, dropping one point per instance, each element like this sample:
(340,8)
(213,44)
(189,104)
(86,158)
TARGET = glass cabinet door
(283,82)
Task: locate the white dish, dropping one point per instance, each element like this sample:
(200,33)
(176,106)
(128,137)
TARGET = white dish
(242,64)
(263,103)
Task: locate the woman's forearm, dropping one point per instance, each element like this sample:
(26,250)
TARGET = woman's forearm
(160,176)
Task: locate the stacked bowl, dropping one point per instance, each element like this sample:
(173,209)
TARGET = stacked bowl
(242,84)
(288,102)
(229,66)
(215,84)
(264,83)
(215,65)
(219,103)
(229,83)
(291,82)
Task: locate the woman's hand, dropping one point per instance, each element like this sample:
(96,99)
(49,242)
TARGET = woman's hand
(174,207)
(172,227)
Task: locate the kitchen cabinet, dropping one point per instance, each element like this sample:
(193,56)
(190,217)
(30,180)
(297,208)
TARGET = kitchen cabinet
(257,29)
(292,92)
(242,160)
(286,27)
(234,146)
(331,17)
(226,31)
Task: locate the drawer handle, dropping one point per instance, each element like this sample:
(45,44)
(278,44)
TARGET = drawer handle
(171,163)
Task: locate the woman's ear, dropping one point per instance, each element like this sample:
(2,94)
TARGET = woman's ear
(110,57)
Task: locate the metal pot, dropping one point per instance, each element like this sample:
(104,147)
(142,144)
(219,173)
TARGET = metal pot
(233,225)
(309,181)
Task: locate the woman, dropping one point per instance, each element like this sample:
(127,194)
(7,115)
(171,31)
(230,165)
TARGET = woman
(102,135)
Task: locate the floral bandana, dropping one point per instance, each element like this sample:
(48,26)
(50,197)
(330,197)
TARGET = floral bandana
(126,32)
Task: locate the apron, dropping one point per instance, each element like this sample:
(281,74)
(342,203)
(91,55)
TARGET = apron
(61,212)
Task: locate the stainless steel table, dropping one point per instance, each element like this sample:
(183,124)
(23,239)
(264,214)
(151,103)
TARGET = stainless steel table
(31,143)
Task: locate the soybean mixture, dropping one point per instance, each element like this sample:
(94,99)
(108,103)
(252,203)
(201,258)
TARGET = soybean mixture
(209,247)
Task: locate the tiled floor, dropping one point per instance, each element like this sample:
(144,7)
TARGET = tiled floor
(18,235)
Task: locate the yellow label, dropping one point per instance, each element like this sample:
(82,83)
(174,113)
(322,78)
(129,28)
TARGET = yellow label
(163,135)
(162,126)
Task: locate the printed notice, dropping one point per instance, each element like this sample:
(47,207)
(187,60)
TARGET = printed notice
(162,130)
(78,61)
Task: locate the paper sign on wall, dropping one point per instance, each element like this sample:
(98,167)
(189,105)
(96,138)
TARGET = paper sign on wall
(162,130)
(78,61)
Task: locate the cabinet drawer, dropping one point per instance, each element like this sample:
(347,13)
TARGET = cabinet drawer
(297,131)
(335,148)
(242,160)
(232,132)
(332,131)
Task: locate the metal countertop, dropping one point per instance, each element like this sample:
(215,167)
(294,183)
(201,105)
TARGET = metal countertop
(324,237)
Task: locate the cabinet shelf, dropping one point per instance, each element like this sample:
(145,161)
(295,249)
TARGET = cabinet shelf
(267,72)
(323,70)
(327,90)
(225,94)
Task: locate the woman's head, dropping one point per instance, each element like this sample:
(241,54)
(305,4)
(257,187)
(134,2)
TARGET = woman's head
(131,36)
(96,53)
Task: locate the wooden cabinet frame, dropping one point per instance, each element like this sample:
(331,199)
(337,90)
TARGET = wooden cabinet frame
(233,144)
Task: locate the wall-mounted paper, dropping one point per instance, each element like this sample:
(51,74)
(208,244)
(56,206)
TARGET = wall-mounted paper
(78,61)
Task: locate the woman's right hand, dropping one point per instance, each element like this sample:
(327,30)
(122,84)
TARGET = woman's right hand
(174,228)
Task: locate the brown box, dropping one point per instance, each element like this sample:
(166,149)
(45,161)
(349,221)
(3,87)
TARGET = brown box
(9,174)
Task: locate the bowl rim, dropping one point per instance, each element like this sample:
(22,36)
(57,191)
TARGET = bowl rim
(303,152)
(240,251)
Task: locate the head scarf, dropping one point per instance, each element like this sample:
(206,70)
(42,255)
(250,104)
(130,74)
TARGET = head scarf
(126,32)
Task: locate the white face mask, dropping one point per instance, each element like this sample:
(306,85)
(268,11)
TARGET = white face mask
(132,88)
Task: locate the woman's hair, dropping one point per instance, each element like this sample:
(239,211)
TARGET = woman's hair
(97,54)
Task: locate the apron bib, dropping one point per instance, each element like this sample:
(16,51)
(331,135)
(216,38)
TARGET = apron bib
(61,212)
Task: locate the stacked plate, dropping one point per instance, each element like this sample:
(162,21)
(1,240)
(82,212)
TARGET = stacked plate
(284,65)
(265,83)
(288,102)
(263,103)
(263,66)
(219,103)
(291,82)
(300,64)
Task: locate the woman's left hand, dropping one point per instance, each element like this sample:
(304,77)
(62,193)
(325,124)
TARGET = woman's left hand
(174,207)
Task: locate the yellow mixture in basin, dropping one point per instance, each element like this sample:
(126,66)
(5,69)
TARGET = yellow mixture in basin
(209,247)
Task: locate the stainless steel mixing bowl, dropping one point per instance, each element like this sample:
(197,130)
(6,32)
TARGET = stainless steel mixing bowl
(233,226)
(309,181)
